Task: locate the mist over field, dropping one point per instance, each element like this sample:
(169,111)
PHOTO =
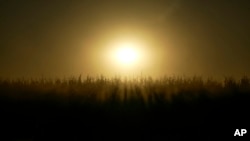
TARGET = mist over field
(124,69)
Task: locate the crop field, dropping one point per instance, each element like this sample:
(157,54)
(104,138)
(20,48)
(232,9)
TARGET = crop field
(141,108)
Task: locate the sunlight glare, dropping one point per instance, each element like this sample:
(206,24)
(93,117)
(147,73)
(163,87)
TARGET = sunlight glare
(126,53)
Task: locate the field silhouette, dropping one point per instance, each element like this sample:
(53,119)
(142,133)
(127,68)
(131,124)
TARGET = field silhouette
(140,108)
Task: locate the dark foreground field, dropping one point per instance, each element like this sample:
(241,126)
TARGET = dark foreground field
(135,109)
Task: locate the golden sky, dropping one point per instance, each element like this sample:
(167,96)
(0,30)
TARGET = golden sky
(65,38)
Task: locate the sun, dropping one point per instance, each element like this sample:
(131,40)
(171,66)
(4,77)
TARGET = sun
(126,53)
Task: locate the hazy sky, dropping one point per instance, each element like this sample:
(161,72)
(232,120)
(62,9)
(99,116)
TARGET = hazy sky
(68,38)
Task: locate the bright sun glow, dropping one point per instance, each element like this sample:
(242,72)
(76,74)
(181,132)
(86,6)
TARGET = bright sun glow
(126,53)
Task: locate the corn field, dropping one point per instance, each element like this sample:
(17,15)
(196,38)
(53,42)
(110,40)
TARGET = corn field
(94,108)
